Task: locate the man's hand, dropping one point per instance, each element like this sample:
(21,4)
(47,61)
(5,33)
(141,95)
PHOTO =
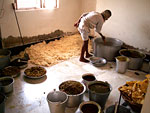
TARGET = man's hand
(103,38)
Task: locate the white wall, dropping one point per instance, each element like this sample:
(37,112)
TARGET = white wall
(88,5)
(35,22)
(130,21)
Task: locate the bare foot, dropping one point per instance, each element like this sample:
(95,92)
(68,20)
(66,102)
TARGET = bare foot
(88,55)
(84,60)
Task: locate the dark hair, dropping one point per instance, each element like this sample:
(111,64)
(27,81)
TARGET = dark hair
(108,11)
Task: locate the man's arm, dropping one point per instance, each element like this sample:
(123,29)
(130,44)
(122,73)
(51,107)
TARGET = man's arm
(103,37)
(98,30)
(77,23)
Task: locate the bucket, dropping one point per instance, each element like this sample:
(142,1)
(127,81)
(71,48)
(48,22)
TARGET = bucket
(89,107)
(57,101)
(121,109)
(87,78)
(4,58)
(74,90)
(122,64)
(109,49)
(99,92)
(6,84)
(2,103)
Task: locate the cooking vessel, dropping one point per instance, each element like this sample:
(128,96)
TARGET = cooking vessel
(89,107)
(107,50)
(136,58)
(99,92)
(6,84)
(74,100)
(122,64)
(57,101)
(4,58)
(87,78)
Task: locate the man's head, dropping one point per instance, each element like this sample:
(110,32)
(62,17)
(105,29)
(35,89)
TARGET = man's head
(106,14)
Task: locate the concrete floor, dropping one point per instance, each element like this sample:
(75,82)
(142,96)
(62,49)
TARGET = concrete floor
(29,95)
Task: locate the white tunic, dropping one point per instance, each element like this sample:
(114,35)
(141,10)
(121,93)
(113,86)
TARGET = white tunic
(93,20)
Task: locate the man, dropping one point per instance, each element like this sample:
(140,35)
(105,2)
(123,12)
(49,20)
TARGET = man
(87,21)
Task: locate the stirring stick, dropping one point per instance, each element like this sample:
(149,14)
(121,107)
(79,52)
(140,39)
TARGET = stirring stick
(116,107)
(119,99)
(117,104)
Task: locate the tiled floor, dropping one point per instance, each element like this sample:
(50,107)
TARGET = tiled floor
(29,95)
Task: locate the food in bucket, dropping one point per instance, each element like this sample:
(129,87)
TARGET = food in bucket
(132,53)
(122,58)
(99,88)
(89,108)
(71,87)
(135,91)
(5,82)
(35,72)
(88,77)
(10,71)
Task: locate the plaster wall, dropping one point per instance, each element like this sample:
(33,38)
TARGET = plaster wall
(88,5)
(35,22)
(130,21)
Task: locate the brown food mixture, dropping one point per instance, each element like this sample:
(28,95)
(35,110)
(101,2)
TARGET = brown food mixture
(89,77)
(35,72)
(122,58)
(99,88)
(71,87)
(10,71)
(133,54)
(89,108)
(5,82)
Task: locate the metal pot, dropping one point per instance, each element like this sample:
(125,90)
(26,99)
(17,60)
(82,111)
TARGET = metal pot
(122,63)
(99,92)
(89,107)
(107,50)
(87,78)
(6,84)
(57,101)
(136,58)
(74,100)
(4,58)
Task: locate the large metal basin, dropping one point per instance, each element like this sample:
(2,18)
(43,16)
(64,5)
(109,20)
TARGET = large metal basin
(107,50)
